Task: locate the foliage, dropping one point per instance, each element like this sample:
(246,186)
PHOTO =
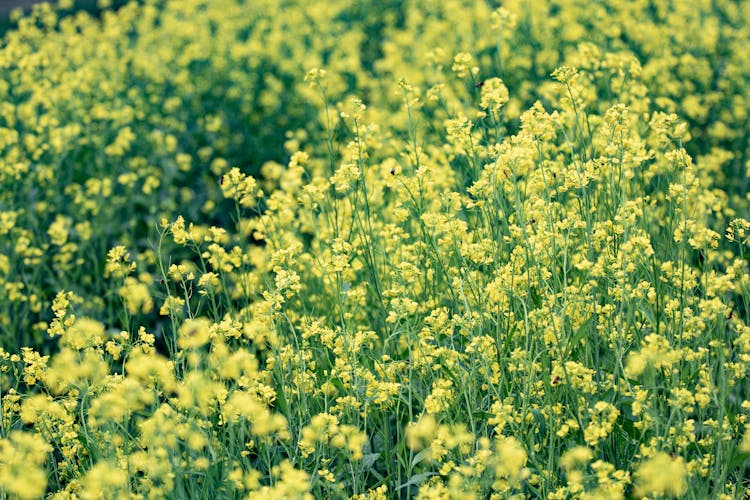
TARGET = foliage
(421,249)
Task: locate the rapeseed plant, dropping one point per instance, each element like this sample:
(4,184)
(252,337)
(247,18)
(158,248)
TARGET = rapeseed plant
(433,250)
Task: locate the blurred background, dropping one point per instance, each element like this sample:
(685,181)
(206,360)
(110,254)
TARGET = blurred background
(6,6)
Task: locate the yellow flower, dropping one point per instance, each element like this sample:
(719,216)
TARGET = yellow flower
(461,64)
(314,76)
(240,187)
(172,305)
(511,460)
(22,456)
(421,432)
(60,229)
(136,295)
(494,94)
(575,457)
(104,480)
(661,475)
(441,397)
(84,332)
(745,443)
(603,418)
(194,333)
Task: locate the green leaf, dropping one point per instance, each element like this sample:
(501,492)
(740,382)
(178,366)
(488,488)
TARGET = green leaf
(738,459)
(369,460)
(419,457)
(482,415)
(416,479)
(582,330)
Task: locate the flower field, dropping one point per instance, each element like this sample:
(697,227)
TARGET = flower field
(365,250)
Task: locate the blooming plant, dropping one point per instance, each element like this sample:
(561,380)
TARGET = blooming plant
(407,250)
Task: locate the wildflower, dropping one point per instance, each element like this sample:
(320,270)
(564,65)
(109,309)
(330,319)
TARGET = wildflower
(73,370)
(151,370)
(84,332)
(288,483)
(441,397)
(179,272)
(668,127)
(565,74)
(314,76)
(136,295)
(510,467)
(503,18)
(262,421)
(401,308)
(738,231)
(172,305)
(345,176)
(461,65)
(105,478)
(35,365)
(603,418)
(287,282)
(494,94)
(661,475)
(575,457)
(655,353)
(580,377)
(240,187)
(179,233)
(209,283)
(22,456)
(419,433)
(379,493)
(745,443)
(194,333)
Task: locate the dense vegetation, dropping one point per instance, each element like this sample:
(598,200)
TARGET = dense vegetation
(426,249)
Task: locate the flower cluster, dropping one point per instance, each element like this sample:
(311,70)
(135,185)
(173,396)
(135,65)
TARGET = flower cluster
(501,254)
